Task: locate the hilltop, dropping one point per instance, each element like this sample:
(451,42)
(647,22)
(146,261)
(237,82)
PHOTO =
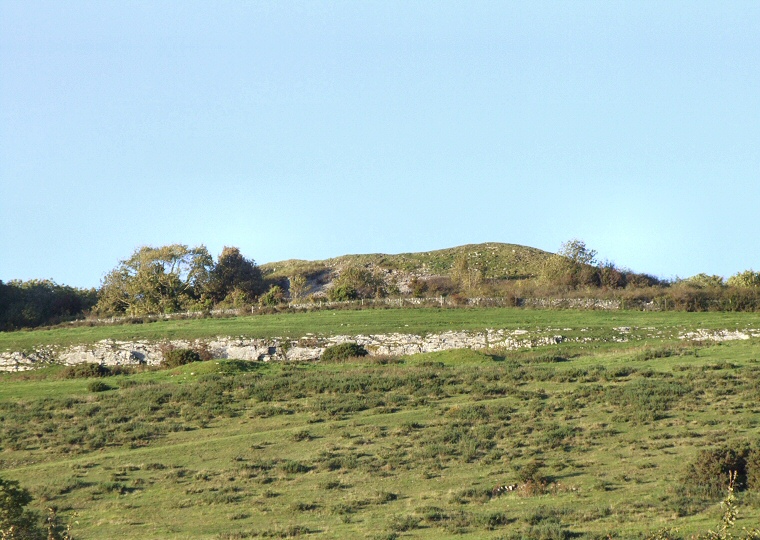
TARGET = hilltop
(493,260)
(177,279)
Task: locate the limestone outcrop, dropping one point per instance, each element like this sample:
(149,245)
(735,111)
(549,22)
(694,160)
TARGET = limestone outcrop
(112,352)
(311,347)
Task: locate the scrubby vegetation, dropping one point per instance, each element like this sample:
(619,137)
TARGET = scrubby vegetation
(17,522)
(614,433)
(26,304)
(177,279)
(344,351)
(575,440)
(180,357)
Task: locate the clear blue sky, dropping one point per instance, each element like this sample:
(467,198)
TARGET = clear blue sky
(316,129)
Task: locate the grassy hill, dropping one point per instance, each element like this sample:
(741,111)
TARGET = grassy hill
(501,261)
(597,434)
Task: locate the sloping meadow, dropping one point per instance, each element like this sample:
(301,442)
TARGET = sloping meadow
(567,441)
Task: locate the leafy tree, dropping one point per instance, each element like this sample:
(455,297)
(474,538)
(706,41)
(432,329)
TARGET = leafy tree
(703,281)
(466,274)
(16,522)
(642,280)
(342,293)
(297,286)
(236,275)
(418,287)
(157,280)
(573,266)
(41,302)
(357,282)
(275,295)
(577,252)
(748,278)
(611,277)
(236,298)
(559,271)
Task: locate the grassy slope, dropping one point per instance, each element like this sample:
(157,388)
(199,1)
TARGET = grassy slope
(361,450)
(416,321)
(501,261)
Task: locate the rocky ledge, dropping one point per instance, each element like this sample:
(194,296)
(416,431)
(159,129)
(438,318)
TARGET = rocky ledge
(310,347)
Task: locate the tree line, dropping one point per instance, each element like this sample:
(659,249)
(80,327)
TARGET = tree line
(177,278)
(27,304)
(167,279)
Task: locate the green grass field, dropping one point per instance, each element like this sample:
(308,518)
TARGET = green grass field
(381,321)
(598,435)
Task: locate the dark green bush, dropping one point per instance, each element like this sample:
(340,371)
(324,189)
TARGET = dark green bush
(753,469)
(707,476)
(400,523)
(98,386)
(273,297)
(85,371)
(531,472)
(432,514)
(383,497)
(342,293)
(343,352)
(180,357)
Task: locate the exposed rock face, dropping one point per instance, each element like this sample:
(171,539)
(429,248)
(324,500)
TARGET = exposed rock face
(717,335)
(309,347)
(110,352)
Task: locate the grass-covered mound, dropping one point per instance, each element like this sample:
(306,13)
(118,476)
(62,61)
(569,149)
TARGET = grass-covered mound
(501,261)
